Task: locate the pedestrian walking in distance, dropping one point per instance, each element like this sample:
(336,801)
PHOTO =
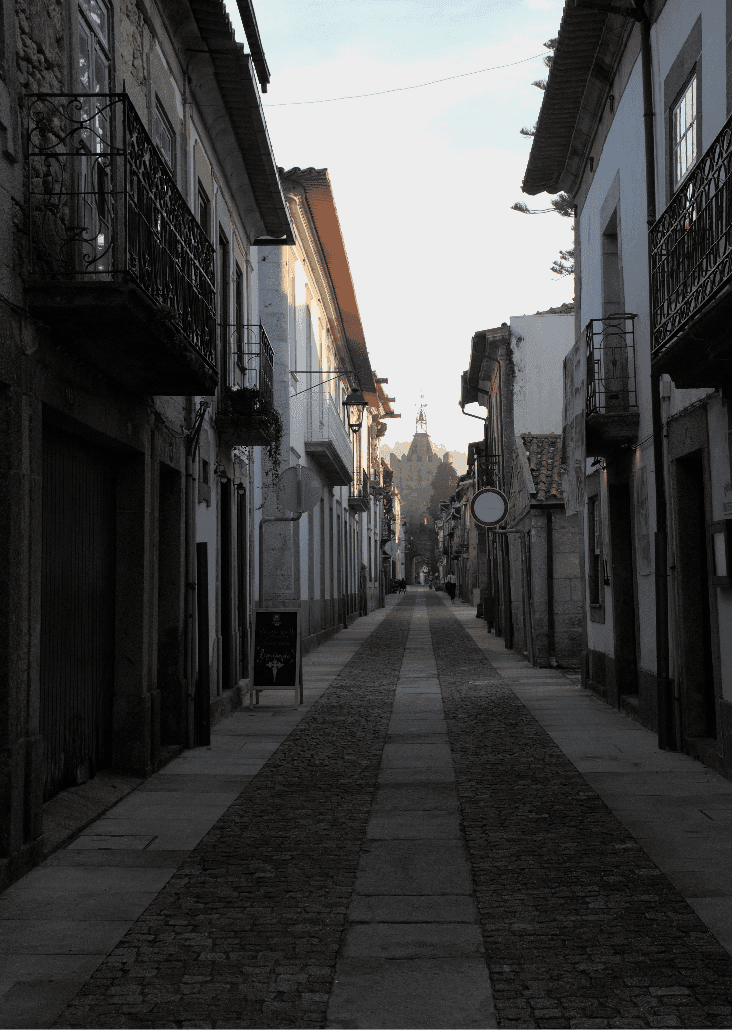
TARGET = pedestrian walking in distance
(450,586)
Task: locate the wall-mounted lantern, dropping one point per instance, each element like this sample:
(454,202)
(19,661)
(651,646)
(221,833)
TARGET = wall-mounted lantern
(355,405)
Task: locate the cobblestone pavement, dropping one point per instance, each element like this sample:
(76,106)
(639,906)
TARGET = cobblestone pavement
(580,927)
(352,865)
(246,933)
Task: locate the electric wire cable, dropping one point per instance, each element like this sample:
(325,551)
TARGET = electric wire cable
(401,89)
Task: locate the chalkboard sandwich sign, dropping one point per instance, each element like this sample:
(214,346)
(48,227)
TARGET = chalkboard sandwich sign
(275,656)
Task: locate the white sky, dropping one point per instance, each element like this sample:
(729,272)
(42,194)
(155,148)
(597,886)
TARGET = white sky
(423,179)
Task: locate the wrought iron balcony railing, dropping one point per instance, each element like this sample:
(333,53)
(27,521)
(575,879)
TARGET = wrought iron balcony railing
(488,469)
(611,384)
(691,245)
(360,486)
(105,207)
(251,362)
(326,423)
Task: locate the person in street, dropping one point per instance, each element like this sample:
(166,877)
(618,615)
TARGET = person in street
(363,605)
(451,586)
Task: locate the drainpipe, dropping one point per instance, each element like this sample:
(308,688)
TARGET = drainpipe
(666,732)
(277,518)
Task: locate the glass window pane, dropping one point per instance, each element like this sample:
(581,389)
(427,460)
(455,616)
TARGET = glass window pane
(85,57)
(683,128)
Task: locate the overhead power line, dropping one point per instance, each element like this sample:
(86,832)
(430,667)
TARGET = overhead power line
(401,89)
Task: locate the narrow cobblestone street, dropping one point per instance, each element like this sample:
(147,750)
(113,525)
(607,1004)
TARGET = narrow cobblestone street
(441,837)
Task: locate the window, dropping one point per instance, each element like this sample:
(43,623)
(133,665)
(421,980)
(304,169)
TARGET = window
(238,305)
(223,315)
(240,339)
(94,212)
(683,132)
(594,547)
(94,50)
(204,210)
(164,135)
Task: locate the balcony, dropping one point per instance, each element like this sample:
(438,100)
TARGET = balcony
(245,411)
(358,499)
(488,471)
(691,268)
(119,267)
(611,407)
(327,440)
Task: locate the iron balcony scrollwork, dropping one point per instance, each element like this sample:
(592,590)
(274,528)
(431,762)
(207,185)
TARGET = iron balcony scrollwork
(358,497)
(610,351)
(251,360)
(105,207)
(691,244)
(245,412)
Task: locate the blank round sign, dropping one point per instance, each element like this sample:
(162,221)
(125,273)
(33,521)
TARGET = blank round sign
(489,507)
(311,487)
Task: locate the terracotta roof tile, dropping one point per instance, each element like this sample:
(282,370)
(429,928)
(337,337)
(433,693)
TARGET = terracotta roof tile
(544,455)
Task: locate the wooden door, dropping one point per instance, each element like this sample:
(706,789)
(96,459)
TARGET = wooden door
(77,609)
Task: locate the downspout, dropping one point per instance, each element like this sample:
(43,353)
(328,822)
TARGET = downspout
(666,732)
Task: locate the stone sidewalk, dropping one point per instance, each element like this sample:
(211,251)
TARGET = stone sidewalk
(441,836)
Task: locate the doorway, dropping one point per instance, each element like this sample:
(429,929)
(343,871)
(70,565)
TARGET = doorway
(622,585)
(225,584)
(242,596)
(77,609)
(169,674)
(695,624)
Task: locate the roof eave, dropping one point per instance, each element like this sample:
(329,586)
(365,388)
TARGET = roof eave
(324,216)
(249,21)
(588,49)
(234,73)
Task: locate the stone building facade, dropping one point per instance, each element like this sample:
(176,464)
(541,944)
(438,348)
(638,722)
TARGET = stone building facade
(546,588)
(413,475)
(329,562)
(136,177)
(527,574)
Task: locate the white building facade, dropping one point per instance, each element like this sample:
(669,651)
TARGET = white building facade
(329,562)
(647,387)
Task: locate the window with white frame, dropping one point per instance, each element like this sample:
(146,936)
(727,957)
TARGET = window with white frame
(683,132)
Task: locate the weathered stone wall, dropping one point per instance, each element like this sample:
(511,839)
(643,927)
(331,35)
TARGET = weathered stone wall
(568,589)
(41,46)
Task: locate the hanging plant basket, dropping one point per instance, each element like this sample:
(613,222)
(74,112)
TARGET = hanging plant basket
(244,419)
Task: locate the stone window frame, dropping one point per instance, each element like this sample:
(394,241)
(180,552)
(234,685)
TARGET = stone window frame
(688,63)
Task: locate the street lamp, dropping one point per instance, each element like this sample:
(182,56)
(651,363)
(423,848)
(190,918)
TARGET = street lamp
(355,405)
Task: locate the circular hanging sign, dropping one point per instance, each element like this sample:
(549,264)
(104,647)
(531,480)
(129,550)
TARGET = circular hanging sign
(489,507)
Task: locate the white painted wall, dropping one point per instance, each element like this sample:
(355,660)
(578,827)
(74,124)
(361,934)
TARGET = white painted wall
(539,344)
